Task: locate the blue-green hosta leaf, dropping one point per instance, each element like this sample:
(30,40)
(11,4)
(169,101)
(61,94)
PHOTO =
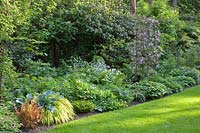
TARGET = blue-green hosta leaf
(50,92)
(51,108)
(20,100)
(53,99)
(29,96)
(61,96)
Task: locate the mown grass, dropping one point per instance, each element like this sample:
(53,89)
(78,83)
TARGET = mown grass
(179,113)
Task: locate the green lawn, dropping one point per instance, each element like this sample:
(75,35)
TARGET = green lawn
(179,113)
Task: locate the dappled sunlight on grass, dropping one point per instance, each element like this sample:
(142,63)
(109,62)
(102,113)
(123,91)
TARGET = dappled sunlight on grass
(178,113)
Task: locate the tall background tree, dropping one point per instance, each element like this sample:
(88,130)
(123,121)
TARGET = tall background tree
(133,7)
(150,2)
(174,3)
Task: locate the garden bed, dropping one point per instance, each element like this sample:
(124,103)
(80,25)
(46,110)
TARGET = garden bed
(176,113)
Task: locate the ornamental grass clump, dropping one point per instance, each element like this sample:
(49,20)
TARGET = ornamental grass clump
(55,108)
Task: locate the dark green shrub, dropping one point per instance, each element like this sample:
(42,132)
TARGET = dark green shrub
(188,6)
(151,90)
(187,72)
(122,92)
(105,100)
(168,18)
(80,80)
(83,106)
(39,69)
(8,121)
(173,86)
(7,74)
(138,94)
(190,56)
(115,53)
(183,81)
(166,66)
(27,84)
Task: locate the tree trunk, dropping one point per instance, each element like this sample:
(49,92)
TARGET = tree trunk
(150,2)
(174,3)
(133,7)
(55,55)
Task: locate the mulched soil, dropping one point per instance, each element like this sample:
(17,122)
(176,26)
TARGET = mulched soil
(37,130)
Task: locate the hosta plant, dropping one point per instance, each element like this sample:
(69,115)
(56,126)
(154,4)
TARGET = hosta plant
(151,90)
(187,72)
(172,85)
(183,81)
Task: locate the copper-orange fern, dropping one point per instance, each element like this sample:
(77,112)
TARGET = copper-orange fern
(29,114)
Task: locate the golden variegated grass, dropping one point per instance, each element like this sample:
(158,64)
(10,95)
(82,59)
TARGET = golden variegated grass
(62,113)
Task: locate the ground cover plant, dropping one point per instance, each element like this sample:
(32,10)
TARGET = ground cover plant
(8,121)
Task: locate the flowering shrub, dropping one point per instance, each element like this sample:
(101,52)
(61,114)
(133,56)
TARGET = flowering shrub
(144,51)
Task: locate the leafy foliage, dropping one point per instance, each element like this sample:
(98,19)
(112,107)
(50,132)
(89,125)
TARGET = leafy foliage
(169,20)
(183,81)
(188,72)
(39,69)
(172,85)
(187,6)
(151,90)
(190,57)
(107,101)
(7,75)
(55,108)
(8,121)
(83,106)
